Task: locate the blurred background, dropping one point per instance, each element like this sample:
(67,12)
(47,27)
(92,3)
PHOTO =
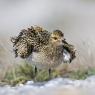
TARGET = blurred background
(76,18)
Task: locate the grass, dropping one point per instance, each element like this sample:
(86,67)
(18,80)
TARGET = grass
(82,74)
(25,72)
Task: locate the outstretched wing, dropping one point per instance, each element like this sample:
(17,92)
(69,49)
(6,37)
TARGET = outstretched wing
(29,40)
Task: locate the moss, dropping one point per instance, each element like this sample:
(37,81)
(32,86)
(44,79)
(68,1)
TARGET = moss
(19,74)
(82,74)
(42,76)
(24,72)
(19,80)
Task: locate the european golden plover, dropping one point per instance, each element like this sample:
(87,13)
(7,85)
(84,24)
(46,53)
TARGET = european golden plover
(48,50)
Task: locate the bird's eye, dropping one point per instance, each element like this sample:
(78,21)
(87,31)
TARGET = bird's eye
(55,38)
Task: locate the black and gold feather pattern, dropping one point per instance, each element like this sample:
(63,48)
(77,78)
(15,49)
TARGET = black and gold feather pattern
(36,39)
(31,39)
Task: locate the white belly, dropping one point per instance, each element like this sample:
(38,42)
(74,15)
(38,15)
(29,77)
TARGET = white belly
(66,56)
(40,61)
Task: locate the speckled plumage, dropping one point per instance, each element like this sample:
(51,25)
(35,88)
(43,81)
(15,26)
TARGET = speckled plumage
(50,55)
(36,39)
(30,40)
(45,50)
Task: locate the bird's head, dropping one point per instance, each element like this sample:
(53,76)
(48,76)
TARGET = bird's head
(38,28)
(57,37)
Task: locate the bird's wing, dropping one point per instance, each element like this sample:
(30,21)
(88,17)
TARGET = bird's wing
(69,52)
(66,56)
(29,41)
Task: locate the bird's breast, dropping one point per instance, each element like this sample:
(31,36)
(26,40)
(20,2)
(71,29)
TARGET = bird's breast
(41,61)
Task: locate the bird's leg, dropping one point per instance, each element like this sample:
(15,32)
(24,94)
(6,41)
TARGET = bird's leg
(49,71)
(16,54)
(35,70)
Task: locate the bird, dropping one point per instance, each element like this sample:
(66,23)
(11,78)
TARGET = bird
(46,50)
